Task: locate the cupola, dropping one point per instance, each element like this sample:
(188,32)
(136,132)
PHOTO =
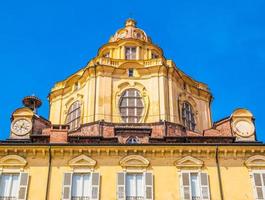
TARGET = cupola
(130,31)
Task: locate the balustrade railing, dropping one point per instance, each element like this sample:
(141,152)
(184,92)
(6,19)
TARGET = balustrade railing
(116,62)
(7,198)
(134,198)
(80,198)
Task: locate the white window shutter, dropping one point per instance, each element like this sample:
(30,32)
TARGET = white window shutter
(149,186)
(95,184)
(67,186)
(121,180)
(185,186)
(23,186)
(257,181)
(205,191)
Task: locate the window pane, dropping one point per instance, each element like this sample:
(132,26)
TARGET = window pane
(5,185)
(195,187)
(257,179)
(139,187)
(134,186)
(130,186)
(77,185)
(130,53)
(9,185)
(86,185)
(15,185)
(259,193)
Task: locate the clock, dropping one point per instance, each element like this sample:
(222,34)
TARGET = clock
(21,126)
(243,127)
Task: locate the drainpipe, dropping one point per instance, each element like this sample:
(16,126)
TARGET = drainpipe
(49,174)
(219,173)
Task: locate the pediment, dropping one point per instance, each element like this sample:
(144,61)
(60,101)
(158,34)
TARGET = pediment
(12,161)
(255,161)
(134,161)
(189,161)
(82,161)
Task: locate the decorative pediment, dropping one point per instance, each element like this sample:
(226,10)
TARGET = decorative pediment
(255,161)
(134,161)
(188,162)
(12,161)
(82,161)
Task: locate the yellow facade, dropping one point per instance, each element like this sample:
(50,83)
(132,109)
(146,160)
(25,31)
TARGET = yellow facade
(224,170)
(235,173)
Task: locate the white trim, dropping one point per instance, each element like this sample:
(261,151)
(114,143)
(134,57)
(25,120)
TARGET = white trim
(251,173)
(12,170)
(198,171)
(128,170)
(82,170)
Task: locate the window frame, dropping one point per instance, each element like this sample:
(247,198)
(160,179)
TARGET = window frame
(130,55)
(73,117)
(82,174)
(193,171)
(188,116)
(147,185)
(134,174)
(130,72)
(257,171)
(137,118)
(154,55)
(11,188)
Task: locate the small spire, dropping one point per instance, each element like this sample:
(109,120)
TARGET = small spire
(130,22)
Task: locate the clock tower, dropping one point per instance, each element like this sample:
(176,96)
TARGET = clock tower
(25,121)
(243,125)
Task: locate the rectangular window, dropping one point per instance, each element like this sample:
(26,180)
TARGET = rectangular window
(259,184)
(81,186)
(9,186)
(195,186)
(134,186)
(106,55)
(154,56)
(130,72)
(130,53)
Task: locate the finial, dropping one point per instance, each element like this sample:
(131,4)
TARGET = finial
(32,102)
(130,22)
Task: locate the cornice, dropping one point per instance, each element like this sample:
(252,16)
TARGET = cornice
(226,152)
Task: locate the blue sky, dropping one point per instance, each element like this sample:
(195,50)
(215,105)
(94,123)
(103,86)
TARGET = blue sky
(221,43)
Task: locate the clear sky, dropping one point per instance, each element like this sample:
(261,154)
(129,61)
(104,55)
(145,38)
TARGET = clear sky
(221,43)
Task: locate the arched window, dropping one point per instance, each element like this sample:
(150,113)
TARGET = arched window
(132,140)
(73,116)
(188,117)
(131,106)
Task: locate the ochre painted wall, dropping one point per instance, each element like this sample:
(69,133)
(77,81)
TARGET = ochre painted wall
(235,175)
(103,80)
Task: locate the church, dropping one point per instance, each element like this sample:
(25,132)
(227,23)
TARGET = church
(130,125)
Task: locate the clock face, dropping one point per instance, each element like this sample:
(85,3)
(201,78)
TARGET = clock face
(244,128)
(21,127)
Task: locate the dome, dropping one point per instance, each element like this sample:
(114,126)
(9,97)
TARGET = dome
(130,31)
